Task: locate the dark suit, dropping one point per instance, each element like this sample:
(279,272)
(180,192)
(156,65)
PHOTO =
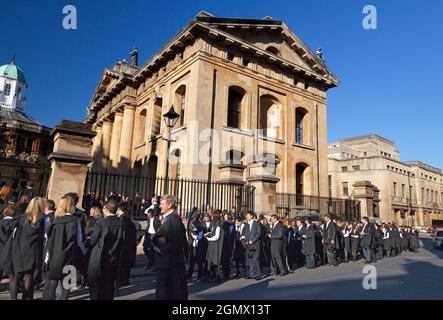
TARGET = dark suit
(147,242)
(253,234)
(367,242)
(309,246)
(170,259)
(277,239)
(299,232)
(330,242)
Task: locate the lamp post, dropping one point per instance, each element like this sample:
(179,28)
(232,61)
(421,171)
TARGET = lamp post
(170,118)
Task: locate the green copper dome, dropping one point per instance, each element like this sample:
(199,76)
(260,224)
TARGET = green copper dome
(12,71)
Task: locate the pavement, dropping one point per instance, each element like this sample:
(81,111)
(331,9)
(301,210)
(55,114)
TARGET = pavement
(409,276)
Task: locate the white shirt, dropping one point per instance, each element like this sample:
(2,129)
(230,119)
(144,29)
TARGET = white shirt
(151,226)
(346,233)
(216,236)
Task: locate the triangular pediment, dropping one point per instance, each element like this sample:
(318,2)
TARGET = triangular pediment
(271,36)
(107,80)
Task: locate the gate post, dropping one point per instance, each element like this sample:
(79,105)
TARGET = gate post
(262,177)
(69,159)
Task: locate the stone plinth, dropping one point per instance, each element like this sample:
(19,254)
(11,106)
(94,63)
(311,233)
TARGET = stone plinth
(69,159)
(364,192)
(232,173)
(262,177)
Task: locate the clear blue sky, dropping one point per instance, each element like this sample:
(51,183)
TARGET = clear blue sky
(391,77)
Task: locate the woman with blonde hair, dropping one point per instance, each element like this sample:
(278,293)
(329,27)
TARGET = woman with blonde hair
(27,248)
(65,244)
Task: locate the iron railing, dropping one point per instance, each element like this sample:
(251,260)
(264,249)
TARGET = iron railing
(189,192)
(300,205)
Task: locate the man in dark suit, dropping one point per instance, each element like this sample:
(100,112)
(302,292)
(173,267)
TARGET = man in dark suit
(367,240)
(253,242)
(103,264)
(170,245)
(277,236)
(152,226)
(309,244)
(299,232)
(330,240)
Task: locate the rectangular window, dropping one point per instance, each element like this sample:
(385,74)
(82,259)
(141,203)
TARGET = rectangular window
(356,168)
(345,189)
(344,169)
(403,190)
(395,189)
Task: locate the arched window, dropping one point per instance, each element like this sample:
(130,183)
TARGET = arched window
(157,117)
(273,50)
(7,89)
(301,126)
(236,97)
(300,181)
(180,102)
(19,93)
(269,115)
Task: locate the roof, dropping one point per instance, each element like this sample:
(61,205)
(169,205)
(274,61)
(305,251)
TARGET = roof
(366,137)
(11,71)
(19,120)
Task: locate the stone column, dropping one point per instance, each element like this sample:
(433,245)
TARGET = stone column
(96,147)
(363,192)
(69,159)
(106,144)
(262,177)
(115,141)
(35,147)
(126,139)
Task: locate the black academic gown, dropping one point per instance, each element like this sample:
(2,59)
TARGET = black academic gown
(27,246)
(309,241)
(228,229)
(129,242)
(7,226)
(170,259)
(62,246)
(105,242)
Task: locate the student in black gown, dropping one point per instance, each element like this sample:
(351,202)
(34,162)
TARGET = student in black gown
(198,256)
(128,251)
(277,236)
(7,226)
(239,246)
(64,248)
(228,228)
(346,232)
(152,226)
(355,241)
(171,247)
(215,247)
(253,234)
(95,214)
(105,242)
(309,243)
(379,242)
(27,249)
(330,240)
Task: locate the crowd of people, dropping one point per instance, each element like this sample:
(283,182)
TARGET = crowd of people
(39,239)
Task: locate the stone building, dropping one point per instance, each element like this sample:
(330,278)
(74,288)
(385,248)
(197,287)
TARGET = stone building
(24,143)
(245,90)
(408,192)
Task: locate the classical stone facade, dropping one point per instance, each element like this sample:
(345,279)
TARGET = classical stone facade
(24,143)
(248,91)
(403,187)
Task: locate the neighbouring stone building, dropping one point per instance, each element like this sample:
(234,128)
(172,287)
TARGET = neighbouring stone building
(24,143)
(403,188)
(252,81)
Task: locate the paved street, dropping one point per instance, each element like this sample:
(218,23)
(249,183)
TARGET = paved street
(410,276)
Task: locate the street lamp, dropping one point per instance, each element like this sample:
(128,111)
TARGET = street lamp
(171,118)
